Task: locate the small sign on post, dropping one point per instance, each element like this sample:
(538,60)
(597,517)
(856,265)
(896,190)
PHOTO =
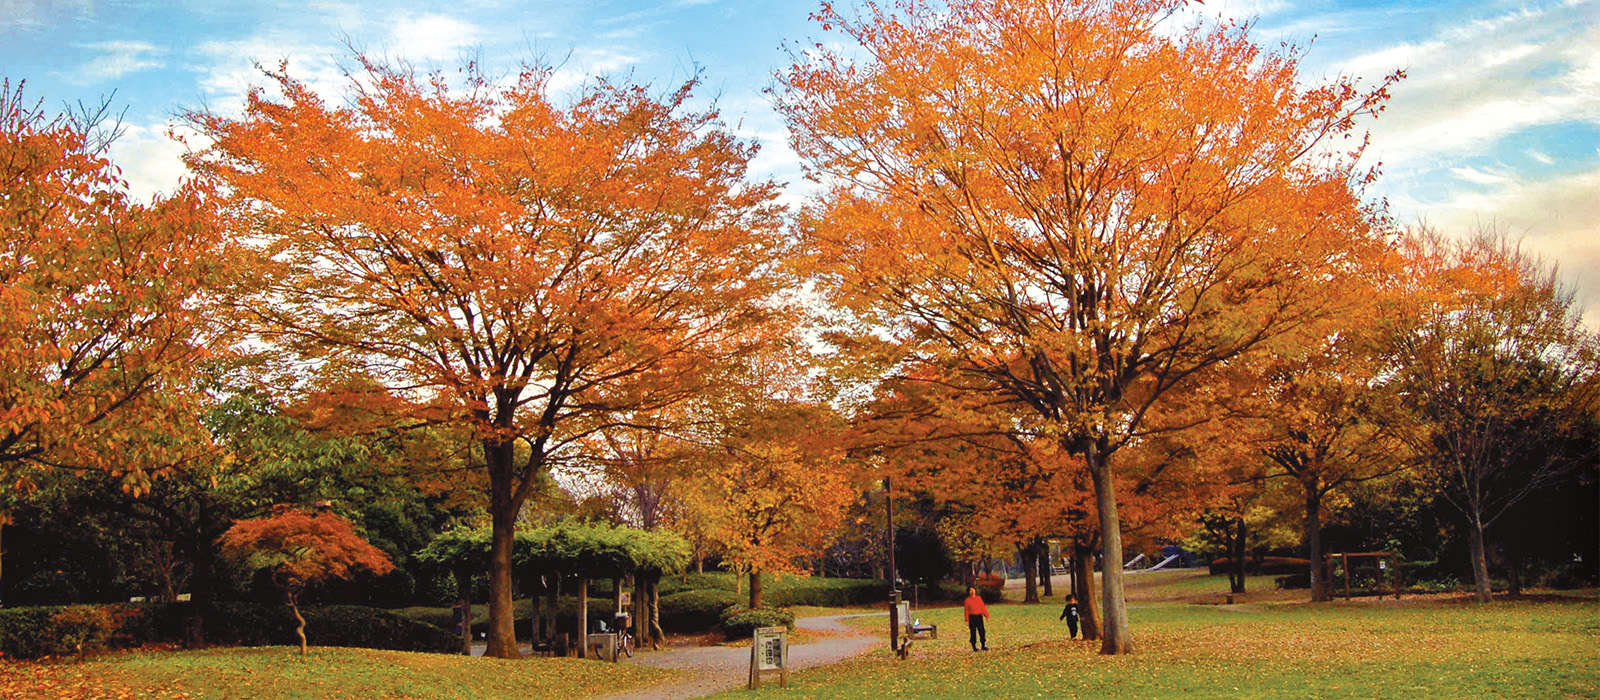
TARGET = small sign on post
(769,651)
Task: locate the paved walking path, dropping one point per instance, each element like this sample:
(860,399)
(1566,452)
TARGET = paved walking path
(715,669)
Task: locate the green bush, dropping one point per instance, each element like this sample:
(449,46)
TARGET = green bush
(740,622)
(708,581)
(372,628)
(29,633)
(826,592)
(990,587)
(695,611)
(80,629)
(26,633)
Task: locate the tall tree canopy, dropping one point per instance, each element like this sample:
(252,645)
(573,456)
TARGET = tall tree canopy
(1503,379)
(103,304)
(1078,204)
(530,267)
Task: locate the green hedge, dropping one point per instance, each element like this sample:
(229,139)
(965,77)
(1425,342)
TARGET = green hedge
(739,622)
(27,633)
(695,611)
(827,592)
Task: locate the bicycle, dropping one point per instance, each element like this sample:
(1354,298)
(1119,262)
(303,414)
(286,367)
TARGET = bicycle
(624,637)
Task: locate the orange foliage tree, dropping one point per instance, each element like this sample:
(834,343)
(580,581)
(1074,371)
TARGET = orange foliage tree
(103,305)
(1076,203)
(299,548)
(1324,421)
(774,487)
(532,266)
(1500,377)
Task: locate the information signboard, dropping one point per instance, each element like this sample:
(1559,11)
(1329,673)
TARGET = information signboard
(769,651)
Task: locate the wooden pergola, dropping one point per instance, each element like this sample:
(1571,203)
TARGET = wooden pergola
(1387,562)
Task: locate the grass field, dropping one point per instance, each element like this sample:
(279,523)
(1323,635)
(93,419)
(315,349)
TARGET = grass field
(1420,647)
(1415,648)
(278,672)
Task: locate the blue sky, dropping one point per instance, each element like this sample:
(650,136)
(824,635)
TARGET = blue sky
(1498,122)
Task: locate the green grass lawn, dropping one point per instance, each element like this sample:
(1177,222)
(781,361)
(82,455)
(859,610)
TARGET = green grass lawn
(280,673)
(1414,649)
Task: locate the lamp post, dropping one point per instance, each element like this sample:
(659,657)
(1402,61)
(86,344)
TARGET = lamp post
(894,579)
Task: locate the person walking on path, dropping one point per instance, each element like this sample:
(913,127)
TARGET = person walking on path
(976,612)
(1070,614)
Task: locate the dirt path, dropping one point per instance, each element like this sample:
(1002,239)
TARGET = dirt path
(714,669)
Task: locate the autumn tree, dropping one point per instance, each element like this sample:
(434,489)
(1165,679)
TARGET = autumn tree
(1325,420)
(973,460)
(1502,376)
(774,488)
(300,548)
(1079,204)
(531,265)
(103,303)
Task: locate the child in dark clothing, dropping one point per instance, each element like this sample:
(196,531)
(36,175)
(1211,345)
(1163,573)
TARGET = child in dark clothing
(1070,614)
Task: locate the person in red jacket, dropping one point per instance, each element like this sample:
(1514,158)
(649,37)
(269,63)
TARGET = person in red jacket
(976,612)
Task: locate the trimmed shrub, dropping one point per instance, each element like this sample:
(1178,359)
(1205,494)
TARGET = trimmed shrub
(739,622)
(710,580)
(828,592)
(1294,581)
(80,629)
(990,587)
(372,628)
(695,611)
(26,633)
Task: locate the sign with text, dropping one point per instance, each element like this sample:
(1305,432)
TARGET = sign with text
(769,651)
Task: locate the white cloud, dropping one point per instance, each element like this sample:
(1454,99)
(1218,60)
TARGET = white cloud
(1476,82)
(1558,218)
(431,37)
(151,161)
(37,14)
(119,58)
(589,63)
(1480,177)
(1541,157)
(228,69)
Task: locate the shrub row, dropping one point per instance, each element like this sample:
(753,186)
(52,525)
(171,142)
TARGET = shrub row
(694,611)
(27,633)
(828,592)
(740,622)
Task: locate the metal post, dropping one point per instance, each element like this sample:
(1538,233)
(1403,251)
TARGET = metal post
(894,585)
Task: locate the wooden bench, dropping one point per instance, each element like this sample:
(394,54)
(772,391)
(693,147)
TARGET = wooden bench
(923,632)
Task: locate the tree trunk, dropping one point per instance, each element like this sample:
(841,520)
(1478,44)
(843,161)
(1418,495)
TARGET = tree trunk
(1313,537)
(1030,573)
(1083,589)
(464,589)
(5,519)
(755,589)
(1480,562)
(503,508)
(641,608)
(202,588)
(300,630)
(552,605)
(1236,556)
(657,635)
(1115,638)
(1513,570)
(583,617)
(1045,569)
